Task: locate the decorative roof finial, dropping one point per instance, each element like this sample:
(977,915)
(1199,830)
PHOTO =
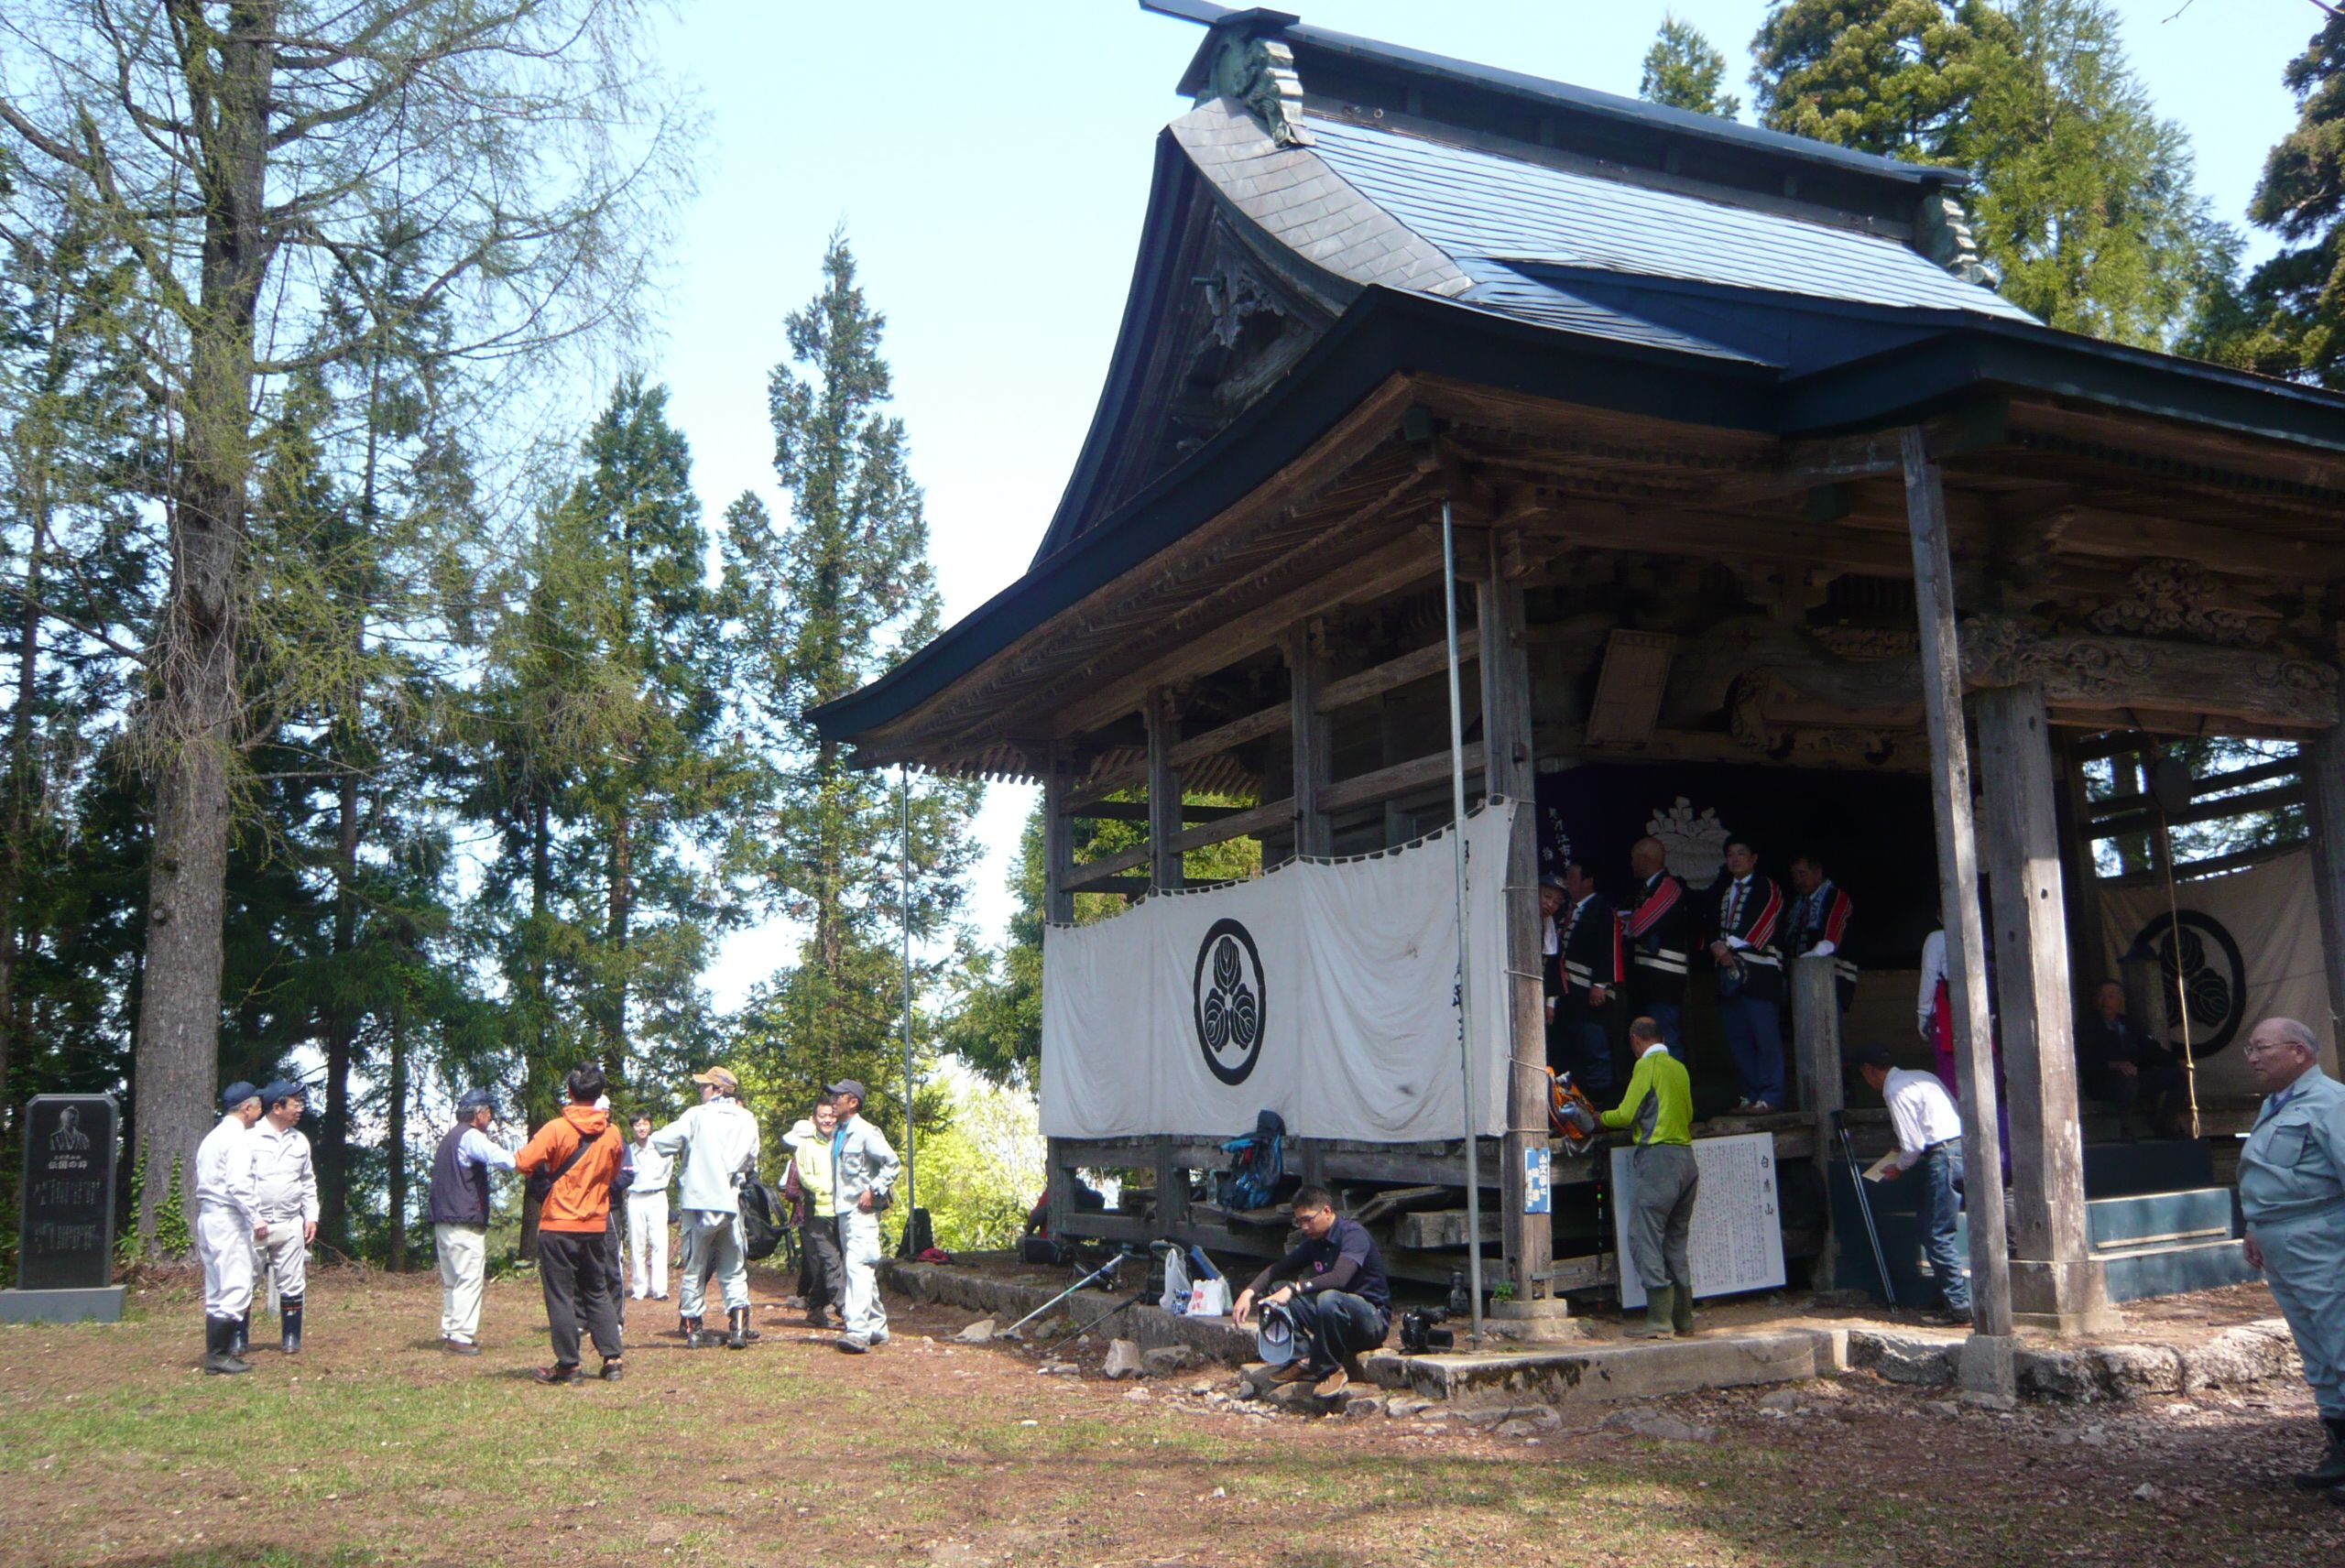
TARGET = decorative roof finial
(1942,233)
(1259,73)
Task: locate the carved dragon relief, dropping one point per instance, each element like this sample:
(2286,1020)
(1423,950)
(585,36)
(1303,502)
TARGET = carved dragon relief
(1789,693)
(2176,598)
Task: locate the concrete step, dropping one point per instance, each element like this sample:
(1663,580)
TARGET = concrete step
(2172,1269)
(1600,1372)
(2194,1214)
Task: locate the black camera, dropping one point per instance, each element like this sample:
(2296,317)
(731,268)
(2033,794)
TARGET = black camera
(1420,1331)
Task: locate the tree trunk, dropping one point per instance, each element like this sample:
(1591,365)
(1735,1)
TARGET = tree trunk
(192,723)
(395,1139)
(622,906)
(541,892)
(16,812)
(341,1030)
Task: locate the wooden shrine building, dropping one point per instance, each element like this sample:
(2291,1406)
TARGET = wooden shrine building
(1751,472)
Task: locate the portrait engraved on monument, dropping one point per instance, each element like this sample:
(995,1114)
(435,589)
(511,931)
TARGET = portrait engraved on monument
(68,1220)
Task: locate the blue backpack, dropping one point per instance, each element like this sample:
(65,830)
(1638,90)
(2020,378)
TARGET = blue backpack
(1259,1162)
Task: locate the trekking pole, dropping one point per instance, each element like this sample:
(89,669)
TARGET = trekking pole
(1103,1271)
(1864,1205)
(1100,1322)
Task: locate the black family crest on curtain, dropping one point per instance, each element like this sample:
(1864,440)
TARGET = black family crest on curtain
(1872,831)
(2201,962)
(1231,998)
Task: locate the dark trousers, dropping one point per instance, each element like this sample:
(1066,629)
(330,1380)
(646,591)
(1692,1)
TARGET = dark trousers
(1666,1016)
(1339,1324)
(825,1270)
(1661,1217)
(1591,1049)
(1940,1207)
(576,1274)
(2159,1087)
(1755,1037)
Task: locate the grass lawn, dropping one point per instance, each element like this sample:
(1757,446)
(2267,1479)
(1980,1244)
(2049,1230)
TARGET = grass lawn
(374,1447)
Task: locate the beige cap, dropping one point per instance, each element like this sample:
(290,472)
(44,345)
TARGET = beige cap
(721,1078)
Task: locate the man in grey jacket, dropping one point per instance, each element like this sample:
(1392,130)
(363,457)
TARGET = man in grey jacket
(863,1176)
(718,1140)
(2292,1192)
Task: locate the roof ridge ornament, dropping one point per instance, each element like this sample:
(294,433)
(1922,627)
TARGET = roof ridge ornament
(1942,233)
(1258,72)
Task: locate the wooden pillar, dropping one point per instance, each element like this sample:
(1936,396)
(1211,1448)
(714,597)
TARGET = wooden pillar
(1058,842)
(1392,748)
(2055,1283)
(1058,909)
(1171,1190)
(1815,1044)
(1306,677)
(1509,769)
(2325,795)
(1958,900)
(1163,792)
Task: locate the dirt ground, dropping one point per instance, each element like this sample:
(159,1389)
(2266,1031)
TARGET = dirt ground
(374,1447)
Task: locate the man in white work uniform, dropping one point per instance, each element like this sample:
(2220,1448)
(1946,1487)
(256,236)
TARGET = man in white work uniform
(226,1228)
(285,1196)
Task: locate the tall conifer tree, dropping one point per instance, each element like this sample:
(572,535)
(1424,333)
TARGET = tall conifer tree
(1685,71)
(824,605)
(2292,316)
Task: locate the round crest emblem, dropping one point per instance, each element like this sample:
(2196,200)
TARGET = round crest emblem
(2200,958)
(1228,997)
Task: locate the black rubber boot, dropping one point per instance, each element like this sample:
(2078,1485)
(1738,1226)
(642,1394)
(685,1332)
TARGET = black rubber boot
(1681,1307)
(2330,1471)
(691,1334)
(1660,1313)
(738,1320)
(289,1312)
(219,1347)
(241,1339)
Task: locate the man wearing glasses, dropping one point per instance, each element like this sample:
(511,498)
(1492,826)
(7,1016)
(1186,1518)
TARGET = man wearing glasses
(2292,1190)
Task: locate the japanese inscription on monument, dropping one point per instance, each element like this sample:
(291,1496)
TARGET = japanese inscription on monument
(1737,1242)
(68,1193)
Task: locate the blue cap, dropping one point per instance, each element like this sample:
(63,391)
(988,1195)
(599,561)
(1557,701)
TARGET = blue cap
(236,1095)
(283,1089)
(474,1100)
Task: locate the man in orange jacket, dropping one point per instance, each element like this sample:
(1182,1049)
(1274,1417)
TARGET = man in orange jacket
(580,1151)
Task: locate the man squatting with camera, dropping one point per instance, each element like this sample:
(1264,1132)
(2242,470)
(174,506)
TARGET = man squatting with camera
(1334,1287)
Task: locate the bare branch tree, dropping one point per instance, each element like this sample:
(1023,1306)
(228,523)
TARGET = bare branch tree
(251,156)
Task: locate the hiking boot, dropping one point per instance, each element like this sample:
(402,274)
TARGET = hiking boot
(1332,1383)
(614,1369)
(877,1336)
(219,1347)
(459,1346)
(854,1343)
(560,1372)
(1292,1372)
(691,1334)
(2330,1471)
(1660,1313)
(1681,1307)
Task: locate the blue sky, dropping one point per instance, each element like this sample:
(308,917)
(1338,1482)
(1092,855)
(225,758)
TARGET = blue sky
(990,164)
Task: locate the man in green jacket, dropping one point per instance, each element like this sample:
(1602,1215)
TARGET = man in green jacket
(1660,1106)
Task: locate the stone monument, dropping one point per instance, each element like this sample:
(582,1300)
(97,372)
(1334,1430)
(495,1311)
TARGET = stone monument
(65,1250)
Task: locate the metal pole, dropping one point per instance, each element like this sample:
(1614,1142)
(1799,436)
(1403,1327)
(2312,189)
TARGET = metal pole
(1464,966)
(904,892)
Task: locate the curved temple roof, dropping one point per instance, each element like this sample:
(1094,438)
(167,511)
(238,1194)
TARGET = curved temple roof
(1644,258)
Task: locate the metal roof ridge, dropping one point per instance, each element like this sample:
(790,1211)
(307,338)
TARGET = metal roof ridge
(1586,100)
